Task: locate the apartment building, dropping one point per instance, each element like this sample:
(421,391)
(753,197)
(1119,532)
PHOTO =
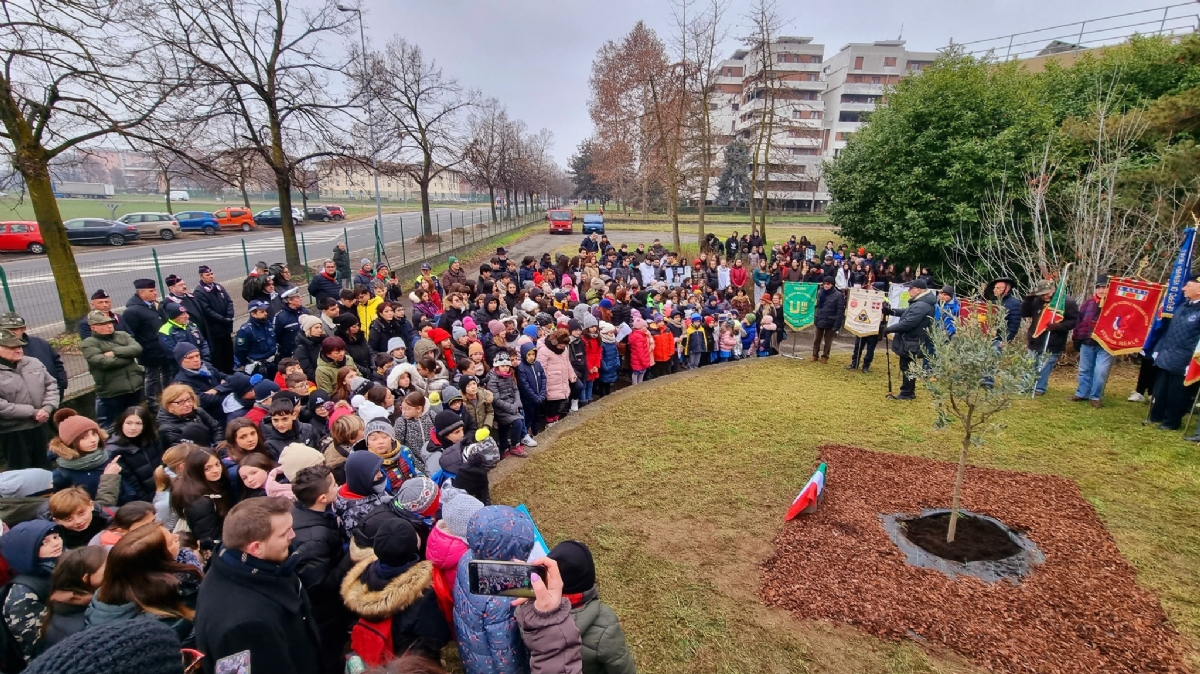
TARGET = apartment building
(816,103)
(340,178)
(856,78)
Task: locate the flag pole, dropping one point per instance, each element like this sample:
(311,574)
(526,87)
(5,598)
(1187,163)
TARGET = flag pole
(1191,412)
(1062,288)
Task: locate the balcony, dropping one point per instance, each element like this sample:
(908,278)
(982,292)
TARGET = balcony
(857,107)
(860,88)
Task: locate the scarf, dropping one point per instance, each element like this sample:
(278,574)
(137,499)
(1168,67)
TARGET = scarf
(85,462)
(608,337)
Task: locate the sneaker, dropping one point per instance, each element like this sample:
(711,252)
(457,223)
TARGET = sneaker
(866,369)
(574,405)
(518,452)
(550,424)
(1136,397)
(852,366)
(528,441)
(1096,403)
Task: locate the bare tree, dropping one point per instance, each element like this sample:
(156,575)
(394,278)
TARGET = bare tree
(261,67)
(484,152)
(765,25)
(74,71)
(424,109)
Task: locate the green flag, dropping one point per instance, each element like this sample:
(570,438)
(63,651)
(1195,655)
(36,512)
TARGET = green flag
(799,304)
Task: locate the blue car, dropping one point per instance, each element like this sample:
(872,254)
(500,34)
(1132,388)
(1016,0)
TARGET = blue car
(593,222)
(198,221)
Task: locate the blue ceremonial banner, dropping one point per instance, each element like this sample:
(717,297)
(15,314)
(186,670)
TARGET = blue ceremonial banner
(1174,294)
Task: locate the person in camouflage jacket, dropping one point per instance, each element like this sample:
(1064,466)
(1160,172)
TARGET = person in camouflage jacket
(31,548)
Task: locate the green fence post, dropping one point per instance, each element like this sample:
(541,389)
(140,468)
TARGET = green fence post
(7,294)
(421,238)
(158,270)
(245,257)
(437,220)
(403,253)
(304,249)
(379,238)
(346,238)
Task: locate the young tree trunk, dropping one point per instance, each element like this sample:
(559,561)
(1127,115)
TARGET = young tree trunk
(492,195)
(167,183)
(427,230)
(242,188)
(291,251)
(958,481)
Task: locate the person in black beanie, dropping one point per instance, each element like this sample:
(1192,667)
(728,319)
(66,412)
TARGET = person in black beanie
(604,648)
(395,585)
(138,646)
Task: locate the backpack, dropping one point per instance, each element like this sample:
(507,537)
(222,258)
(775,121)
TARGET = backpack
(12,658)
(371,640)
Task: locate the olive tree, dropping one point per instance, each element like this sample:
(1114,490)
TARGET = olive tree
(971,379)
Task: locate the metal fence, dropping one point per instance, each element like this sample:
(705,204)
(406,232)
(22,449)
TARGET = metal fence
(28,285)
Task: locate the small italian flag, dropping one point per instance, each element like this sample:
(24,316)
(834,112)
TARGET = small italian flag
(1193,371)
(1055,309)
(809,495)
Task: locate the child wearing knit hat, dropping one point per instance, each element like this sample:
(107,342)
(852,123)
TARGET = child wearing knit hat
(448,538)
(79,448)
(604,646)
(398,462)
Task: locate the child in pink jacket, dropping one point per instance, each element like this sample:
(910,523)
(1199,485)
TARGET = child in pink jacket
(448,538)
(728,342)
(552,354)
(641,350)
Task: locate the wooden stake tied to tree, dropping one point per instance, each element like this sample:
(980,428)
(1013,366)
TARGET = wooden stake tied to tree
(972,378)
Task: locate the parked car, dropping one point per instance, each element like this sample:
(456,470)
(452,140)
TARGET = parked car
(318,213)
(336,211)
(153,224)
(98,230)
(593,223)
(21,236)
(198,221)
(561,220)
(272,218)
(235,217)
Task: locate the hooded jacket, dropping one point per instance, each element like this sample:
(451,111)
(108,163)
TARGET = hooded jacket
(25,388)
(444,549)
(357,497)
(531,379)
(418,625)
(25,605)
(559,373)
(489,639)
(605,650)
(506,398)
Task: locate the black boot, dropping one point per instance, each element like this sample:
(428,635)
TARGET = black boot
(853,365)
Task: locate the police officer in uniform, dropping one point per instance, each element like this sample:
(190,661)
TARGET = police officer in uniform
(217,307)
(254,346)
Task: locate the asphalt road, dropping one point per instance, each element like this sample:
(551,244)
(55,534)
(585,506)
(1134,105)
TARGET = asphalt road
(114,268)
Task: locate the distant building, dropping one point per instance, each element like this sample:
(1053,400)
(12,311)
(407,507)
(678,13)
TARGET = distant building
(350,179)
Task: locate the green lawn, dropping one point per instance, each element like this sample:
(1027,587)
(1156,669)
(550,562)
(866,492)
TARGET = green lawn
(12,208)
(680,490)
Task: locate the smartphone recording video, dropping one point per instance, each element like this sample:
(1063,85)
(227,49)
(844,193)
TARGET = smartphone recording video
(502,579)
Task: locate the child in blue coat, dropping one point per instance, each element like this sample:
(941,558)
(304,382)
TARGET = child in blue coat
(531,382)
(610,359)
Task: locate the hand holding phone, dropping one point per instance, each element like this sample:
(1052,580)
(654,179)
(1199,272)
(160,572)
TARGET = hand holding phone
(503,579)
(547,589)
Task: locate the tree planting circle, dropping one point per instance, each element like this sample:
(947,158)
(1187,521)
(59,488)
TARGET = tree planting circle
(984,547)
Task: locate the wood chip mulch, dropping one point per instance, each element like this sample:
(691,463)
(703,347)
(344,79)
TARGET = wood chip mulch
(1080,611)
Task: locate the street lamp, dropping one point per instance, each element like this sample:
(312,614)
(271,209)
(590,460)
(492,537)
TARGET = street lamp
(370,119)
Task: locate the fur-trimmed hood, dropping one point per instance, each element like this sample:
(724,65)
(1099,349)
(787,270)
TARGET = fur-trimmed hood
(401,592)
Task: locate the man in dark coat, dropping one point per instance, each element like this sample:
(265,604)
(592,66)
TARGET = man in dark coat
(341,263)
(287,321)
(217,307)
(144,316)
(1054,340)
(912,332)
(177,292)
(326,283)
(321,562)
(100,301)
(37,348)
(1171,355)
(1000,292)
(252,607)
(831,310)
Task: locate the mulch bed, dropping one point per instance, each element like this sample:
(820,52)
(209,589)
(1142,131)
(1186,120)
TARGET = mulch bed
(1080,611)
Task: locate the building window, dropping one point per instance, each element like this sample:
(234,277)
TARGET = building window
(814,114)
(889,61)
(814,59)
(804,151)
(876,80)
(712,106)
(849,116)
(735,107)
(858,62)
(797,114)
(916,66)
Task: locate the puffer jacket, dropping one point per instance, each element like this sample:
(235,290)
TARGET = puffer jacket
(610,361)
(418,625)
(118,374)
(641,353)
(831,309)
(559,373)
(506,398)
(308,350)
(912,331)
(444,549)
(531,379)
(198,427)
(604,648)
(489,640)
(664,346)
(1174,351)
(299,432)
(137,469)
(327,372)
(25,388)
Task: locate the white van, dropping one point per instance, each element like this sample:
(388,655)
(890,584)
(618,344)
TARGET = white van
(179,195)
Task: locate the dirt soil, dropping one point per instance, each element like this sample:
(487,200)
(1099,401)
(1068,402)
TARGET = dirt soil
(1079,612)
(975,539)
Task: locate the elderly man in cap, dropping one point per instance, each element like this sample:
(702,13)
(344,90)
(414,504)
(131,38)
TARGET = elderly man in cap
(100,301)
(180,328)
(1049,346)
(1171,355)
(287,321)
(144,317)
(911,332)
(36,347)
(177,292)
(111,357)
(254,346)
(217,307)
(28,396)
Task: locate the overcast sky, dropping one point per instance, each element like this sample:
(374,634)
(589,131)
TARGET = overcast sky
(535,55)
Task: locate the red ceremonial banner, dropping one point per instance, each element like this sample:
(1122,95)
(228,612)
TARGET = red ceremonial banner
(973,309)
(1127,315)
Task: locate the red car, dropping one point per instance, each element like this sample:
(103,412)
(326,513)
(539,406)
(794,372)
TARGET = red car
(336,211)
(21,236)
(561,220)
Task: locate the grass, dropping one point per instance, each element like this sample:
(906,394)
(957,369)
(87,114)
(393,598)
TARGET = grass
(13,208)
(680,490)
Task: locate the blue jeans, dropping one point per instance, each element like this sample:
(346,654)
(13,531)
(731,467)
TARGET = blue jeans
(585,396)
(1047,362)
(1094,364)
